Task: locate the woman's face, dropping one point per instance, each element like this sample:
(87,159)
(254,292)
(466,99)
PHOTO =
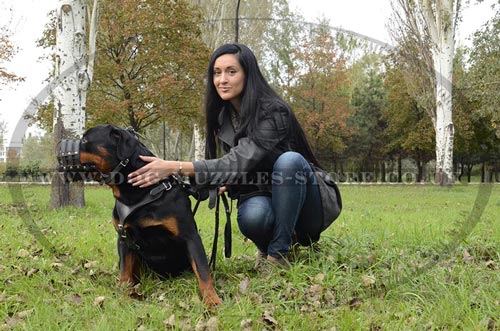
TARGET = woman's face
(229,79)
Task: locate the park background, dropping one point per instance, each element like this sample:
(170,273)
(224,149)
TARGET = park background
(405,254)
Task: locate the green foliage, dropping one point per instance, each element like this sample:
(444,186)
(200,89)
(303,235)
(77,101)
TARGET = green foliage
(409,129)
(150,65)
(484,62)
(380,266)
(367,143)
(7,51)
(320,95)
(475,139)
(39,151)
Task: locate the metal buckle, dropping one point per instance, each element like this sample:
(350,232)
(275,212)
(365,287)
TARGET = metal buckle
(124,163)
(167,186)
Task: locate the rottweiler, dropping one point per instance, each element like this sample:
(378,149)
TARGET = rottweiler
(155,226)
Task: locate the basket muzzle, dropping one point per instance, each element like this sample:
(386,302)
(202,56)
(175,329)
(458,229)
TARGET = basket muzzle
(68,158)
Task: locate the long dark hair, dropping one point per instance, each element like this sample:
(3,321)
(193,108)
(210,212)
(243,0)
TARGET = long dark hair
(256,92)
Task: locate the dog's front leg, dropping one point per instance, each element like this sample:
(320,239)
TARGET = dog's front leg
(199,263)
(130,264)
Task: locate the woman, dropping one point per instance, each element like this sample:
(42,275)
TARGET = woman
(266,161)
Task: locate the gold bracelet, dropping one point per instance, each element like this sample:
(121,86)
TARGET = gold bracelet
(179,172)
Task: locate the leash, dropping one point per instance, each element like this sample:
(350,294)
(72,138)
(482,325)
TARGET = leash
(227,231)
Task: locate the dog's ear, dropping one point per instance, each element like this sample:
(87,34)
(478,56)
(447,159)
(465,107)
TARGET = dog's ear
(126,142)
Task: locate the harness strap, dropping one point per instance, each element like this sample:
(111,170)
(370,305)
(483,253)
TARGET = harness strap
(124,211)
(108,178)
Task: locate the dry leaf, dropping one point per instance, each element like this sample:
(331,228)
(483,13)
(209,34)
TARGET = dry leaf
(243,286)
(90,264)
(170,322)
(56,265)
(23,253)
(315,290)
(269,319)
(24,313)
(246,324)
(200,326)
(467,257)
(319,278)
(491,265)
(76,299)
(99,301)
(31,272)
(211,324)
(355,303)
(368,280)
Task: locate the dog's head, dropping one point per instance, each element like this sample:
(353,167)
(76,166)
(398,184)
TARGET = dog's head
(104,151)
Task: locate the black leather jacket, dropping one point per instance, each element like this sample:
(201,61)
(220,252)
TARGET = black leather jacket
(246,166)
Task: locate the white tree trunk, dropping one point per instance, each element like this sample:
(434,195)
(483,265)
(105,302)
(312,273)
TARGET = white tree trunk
(71,68)
(199,144)
(73,79)
(440,19)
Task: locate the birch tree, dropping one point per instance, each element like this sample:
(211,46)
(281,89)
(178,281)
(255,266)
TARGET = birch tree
(73,70)
(433,23)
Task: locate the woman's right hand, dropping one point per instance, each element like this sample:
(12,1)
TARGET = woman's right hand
(153,172)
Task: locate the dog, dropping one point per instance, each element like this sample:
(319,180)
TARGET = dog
(155,226)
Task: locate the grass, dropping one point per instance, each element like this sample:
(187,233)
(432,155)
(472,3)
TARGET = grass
(390,262)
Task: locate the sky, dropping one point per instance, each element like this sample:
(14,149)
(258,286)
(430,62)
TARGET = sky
(26,19)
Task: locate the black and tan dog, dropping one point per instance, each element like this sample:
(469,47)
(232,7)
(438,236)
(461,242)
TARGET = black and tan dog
(155,226)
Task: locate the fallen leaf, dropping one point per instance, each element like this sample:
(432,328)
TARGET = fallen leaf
(491,265)
(355,303)
(246,324)
(24,313)
(99,301)
(170,322)
(244,285)
(315,290)
(492,324)
(184,305)
(467,257)
(200,326)
(31,272)
(56,265)
(23,253)
(90,264)
(368,280)
(269,319)
(76,299)
(212,324)
(319,278)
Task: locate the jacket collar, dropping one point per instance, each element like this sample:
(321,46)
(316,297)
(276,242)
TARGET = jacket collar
(226,132)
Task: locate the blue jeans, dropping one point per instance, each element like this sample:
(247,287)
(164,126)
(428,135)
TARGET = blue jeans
(293,208)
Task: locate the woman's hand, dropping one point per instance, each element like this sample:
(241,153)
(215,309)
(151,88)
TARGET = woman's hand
(156,170)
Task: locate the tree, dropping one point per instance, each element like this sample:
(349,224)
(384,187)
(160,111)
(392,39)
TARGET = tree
(367,143)
(38,152)
(7,51)
(150,66)
(431,25)
(320,96)
(74,75)
(408,131)
(484,72)
(3,129)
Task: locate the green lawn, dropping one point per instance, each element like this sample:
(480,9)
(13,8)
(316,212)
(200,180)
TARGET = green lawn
(398,258)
